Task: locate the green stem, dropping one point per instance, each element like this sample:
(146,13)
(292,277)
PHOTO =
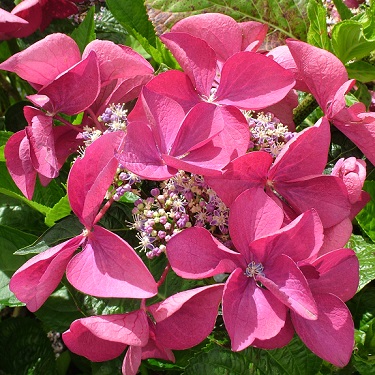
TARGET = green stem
(305,108)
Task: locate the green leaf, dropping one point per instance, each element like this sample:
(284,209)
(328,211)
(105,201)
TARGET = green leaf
(66,228)
(285,18)
(366,218)
(366,255)
(343,10)
(14,118)
(25,348)
(349,41)
(11,240)
(317,34)
(85,32)
(112,367)
(361,71)
(58,211)
(131,14)
(58,311)
(293,359)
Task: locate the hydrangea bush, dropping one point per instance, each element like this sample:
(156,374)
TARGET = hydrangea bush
(191,201)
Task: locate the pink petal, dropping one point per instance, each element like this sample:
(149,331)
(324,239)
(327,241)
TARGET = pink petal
(306,154)
(288,284)
(245,172)
(280,340)
(322,71)
(66,143)
(221,32)
(333,268)
(19,164)
(196,57)
(132,360)
(73,91)
(299,240)
(109,267)
(101,338)
(338,102)
(90,177)
(42,62)
(141,155)
(253,34)
(337,236)
(115,61)
(195,254)
(40,135)
(246,86)
(164,118)
(250,312)
(10,22)
(34,282)
(331,336)
(196,309)
(253,214)
(326,194)
(177,86)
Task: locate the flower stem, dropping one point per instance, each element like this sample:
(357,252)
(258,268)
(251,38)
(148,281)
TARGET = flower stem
(304,108)
(67,123)
(103,211)
(164,275)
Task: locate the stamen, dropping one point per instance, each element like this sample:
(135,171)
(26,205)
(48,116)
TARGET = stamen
(253,269)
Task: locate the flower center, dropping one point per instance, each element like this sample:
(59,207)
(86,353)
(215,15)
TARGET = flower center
(253,269)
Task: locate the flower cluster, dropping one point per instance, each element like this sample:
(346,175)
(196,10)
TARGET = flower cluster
(224,189)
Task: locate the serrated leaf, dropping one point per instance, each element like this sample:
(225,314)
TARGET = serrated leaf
(362,307)
(285,18)
(293,359)
(349,41)
(63,230)
(131,14)
(27,348)
(366,218)
(317,34)
(11,240)
(366,255)
(343,10)
(58,311)
(361,71)
(58,211)
(219,361)
(85,32)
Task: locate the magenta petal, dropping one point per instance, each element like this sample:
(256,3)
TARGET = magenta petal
(196,309)
(326,194)
(132,360)
(300,239)
(306,154)
(90,177)
(177,86)
(116,62)
(253,34)
(73,91)
(10,22)
(250,312)
(141,155)
(100,338)
(40,135)
(34,282)
(322,71)
(19,164)
(246,86)
(196,57)
(194,254)
(42,62)
(331,336)
(253,214)
(164,116)
(66,142)
(245,172)
(221,32)
(109,267)
(287,283)
(333,268)
(337,236)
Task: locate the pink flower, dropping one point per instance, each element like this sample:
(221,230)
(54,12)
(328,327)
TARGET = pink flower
(101,338)
(295,176)
(107,266)
(267,255)
(276,271)
(203,141)
(324,75)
